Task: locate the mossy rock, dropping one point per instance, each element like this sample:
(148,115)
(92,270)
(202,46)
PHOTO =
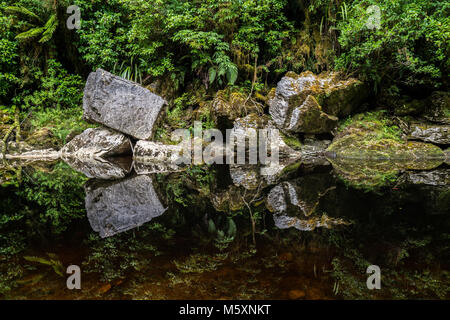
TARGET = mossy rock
(309,103)
(372,136)
(309,118)
(371,175)
(343,98)
(232,105)
(413,107)
(43,138)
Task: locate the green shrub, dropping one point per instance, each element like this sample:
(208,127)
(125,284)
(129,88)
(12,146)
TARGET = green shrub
(215,41)
(410,48)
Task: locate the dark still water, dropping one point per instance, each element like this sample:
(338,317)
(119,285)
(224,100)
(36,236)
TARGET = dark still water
(224,232)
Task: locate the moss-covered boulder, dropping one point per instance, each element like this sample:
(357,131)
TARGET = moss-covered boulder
(373,136)
(232,105)
(324,96)
(43,138)
(371,175)
(309,118)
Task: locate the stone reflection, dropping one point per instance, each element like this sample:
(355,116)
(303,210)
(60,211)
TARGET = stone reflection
(117,206)
(294,203)
(374,174)
(99,168)
(143,167)
(437,177)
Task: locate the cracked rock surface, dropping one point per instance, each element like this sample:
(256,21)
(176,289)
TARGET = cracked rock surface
(121,105)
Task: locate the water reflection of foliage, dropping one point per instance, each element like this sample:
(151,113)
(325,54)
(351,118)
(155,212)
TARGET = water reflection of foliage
(47,203)
(116,257)
(412,257)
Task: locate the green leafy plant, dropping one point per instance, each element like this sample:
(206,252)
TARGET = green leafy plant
(44,29)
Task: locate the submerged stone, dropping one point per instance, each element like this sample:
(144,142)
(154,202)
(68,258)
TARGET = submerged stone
(286,222)
(97,143)
(301,195)
(149,167)
(115,207)
(229,200)
(375,174)
(25,152)
(121,104)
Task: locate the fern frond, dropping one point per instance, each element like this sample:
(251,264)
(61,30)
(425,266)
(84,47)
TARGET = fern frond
(23,11)
(50,28)
(30,33)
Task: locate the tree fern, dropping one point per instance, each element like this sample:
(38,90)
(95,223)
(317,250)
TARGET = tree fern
(50,28)
(23,11)
(46,32)
(30,33)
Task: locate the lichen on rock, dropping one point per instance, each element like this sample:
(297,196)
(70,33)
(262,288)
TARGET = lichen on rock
(97,143)
(121,104)
(332,96)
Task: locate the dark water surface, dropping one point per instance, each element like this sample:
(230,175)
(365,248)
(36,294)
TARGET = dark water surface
(225,232)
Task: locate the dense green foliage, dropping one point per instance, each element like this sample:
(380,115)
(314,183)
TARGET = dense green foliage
(214,43)
(410,48)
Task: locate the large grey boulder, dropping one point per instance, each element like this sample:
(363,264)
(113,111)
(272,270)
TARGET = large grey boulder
(96,143)
(121,105)
(310,103)
(309,118)
(115,207)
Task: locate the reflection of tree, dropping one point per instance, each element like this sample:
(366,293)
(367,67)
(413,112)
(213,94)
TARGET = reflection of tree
(248,204)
